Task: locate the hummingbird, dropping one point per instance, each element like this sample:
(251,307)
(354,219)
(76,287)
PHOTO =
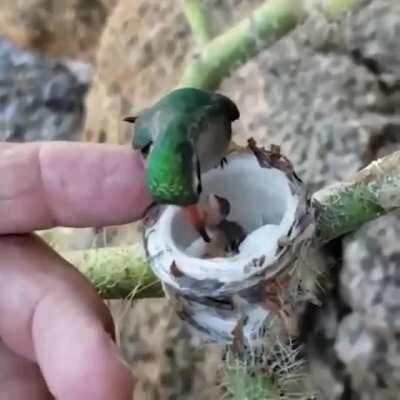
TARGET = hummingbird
(184,134)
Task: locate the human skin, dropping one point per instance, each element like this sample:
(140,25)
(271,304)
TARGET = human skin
(55,331)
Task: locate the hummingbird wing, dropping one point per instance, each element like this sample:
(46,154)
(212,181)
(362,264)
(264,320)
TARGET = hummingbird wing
(191,163)
(210,132)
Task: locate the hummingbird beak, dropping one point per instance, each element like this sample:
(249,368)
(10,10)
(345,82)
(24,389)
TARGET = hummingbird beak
(197,220)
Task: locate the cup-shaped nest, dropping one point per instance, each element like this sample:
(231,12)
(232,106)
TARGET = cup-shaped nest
(236,294)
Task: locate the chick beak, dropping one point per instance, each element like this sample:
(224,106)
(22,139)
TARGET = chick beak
(198,221)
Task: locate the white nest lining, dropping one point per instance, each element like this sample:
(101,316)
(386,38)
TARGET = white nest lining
(261,201)
(256,316)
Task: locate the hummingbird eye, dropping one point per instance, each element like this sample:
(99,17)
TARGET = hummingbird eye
(131,120)
(145,150)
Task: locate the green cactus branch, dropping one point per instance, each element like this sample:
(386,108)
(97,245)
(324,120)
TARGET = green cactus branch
(374,191)
(240,43)
(198,20)
(269,22)
(341,208)
(117,272)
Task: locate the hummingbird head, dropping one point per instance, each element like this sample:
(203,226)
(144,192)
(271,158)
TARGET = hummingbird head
(171,134)
(142,139)
(229,108)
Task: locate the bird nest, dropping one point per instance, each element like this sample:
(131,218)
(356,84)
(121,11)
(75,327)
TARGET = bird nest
(259,220)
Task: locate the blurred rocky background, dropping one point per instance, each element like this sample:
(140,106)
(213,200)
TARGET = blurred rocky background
(40,99)
(68,28)
(328,93)
(47,57)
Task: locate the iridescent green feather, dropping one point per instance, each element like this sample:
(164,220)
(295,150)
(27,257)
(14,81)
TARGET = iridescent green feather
(171,167)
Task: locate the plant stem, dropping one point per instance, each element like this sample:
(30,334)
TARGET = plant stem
(117,272)
(198,19)
(344,207)
(268,23)
(337,7)
(240,43)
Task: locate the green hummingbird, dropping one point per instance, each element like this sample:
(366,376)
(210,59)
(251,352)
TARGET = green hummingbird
(184,134)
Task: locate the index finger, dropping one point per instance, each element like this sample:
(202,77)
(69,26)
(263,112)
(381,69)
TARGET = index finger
(69,184)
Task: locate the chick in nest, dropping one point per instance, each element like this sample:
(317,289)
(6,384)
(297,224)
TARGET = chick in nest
(226,236)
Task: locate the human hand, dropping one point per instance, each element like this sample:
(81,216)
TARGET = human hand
(55,331)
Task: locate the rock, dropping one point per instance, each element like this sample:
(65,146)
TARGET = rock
(142,54)
(333,105)
(368,342)
(325,106)
(68,28)
(40,99)
(375,45)
(167,360)
(355,345)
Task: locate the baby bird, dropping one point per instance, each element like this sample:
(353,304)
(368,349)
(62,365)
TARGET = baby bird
(226,236)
